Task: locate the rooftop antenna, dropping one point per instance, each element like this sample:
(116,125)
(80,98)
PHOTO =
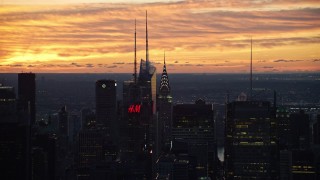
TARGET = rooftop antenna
(135,51)
(147,48)
(251,72)
(164,55)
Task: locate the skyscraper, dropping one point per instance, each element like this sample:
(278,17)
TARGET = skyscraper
(63,122)
(300,130)
(251,145)
(316,131)
(284,128)
(139,108)
(164,121)
(147,76)
(7,104)
(193,124)
(13,138)
(106,105)
(27,94)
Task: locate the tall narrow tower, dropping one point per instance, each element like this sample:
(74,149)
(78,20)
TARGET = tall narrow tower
(164,110)
(251,72)
(147,46)
(135,52)
(164,82)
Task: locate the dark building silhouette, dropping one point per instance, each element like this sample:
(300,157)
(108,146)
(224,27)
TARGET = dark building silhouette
(285,164)
(27,94)
(63,121)
(164,166)
(284,128)
(90,152)
(88,118)
(303,165)
(7,104)
(251,142)
(27,112)
(90,149)
(193,124)
(95,157)
(44,157)
(106,106)
(138,120)
(316,131)
(300,130)
(13,138)
(297,156)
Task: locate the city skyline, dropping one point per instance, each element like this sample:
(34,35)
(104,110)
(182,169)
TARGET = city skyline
(198,37)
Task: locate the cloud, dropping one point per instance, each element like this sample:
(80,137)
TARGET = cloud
(186,65)
(218,65)
(267,67)
(286,61)
(114,66)
(89,65)
(76,64)
(15,65)
(195,30)
(64,54)
(316,60)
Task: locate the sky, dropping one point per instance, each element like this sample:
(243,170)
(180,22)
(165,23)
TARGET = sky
(198,36)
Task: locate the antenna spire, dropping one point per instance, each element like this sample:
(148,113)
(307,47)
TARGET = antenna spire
(164,60)
(135,51)
(251,72)
(147,46)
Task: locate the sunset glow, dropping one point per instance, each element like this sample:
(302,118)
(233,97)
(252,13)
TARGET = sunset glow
(198,36)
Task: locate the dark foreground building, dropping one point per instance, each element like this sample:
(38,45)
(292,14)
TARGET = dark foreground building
(106,106)
(193,126)
(250,145)
(27,94)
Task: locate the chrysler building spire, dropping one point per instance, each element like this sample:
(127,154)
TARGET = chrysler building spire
(164,83)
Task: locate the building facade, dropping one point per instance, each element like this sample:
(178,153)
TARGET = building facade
(251,142)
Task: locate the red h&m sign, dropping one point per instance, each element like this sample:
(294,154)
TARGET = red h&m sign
(135,108)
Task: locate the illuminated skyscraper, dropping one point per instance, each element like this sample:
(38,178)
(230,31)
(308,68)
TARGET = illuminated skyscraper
(148,77)
(251,145)
(139,108)
(27,94)
(164,122)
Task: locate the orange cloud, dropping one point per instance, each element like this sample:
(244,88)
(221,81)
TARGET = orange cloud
(212,36)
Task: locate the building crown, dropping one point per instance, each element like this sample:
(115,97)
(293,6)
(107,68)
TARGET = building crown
(164,83)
